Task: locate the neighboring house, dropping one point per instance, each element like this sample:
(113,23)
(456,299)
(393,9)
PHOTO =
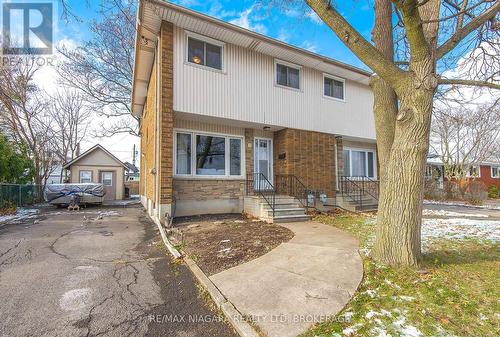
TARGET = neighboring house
(132,172)
(98,165)
(56,177)
(228,114)
(486,172)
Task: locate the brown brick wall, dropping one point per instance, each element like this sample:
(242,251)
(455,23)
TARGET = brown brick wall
(308,155)
(195,189)
(166,113)
(249,140)
(340,158)
(147,180)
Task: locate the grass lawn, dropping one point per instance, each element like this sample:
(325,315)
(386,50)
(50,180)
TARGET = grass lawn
(455,292)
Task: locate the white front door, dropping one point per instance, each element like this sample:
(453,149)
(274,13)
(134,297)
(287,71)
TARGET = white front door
(263,162)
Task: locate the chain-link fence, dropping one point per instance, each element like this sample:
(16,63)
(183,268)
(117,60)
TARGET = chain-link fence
(20,195)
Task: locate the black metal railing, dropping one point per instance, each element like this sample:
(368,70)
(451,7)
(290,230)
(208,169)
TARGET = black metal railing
(289,184)
(258,184)
(350,188)
(356,188)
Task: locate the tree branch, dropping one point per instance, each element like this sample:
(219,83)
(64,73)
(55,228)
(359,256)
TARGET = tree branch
(355,42)
(457,81)
(460,34)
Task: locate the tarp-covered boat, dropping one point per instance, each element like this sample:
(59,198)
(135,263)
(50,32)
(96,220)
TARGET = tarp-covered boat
(61,194)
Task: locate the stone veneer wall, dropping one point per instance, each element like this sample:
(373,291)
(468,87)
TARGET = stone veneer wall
(309,155)
(201,190)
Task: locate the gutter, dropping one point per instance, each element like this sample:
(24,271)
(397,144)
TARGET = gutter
(140,11)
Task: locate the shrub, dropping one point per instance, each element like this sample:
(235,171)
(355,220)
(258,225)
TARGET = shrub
(7,207)
(493,191)
(476,192)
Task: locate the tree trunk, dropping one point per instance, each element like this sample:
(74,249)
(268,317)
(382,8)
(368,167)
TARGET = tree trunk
(398,234)
(384,98)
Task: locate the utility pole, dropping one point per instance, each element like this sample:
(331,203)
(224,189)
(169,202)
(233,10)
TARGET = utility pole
(134,153)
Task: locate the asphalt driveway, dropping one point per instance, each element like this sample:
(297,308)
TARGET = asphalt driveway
(97,272)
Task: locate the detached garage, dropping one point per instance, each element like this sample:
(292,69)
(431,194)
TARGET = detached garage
(98,165)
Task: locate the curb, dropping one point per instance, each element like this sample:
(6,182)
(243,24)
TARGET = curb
(242,327)
(164,237)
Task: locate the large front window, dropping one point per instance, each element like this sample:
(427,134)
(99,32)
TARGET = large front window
(198,154)
(359,163)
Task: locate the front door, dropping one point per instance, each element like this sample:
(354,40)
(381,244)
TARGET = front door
(109,184)
(263,163)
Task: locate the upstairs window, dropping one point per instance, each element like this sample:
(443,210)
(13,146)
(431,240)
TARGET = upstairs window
(333,87)
(287,75)
(204,53)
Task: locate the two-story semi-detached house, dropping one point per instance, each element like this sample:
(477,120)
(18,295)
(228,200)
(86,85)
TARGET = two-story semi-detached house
(228,115)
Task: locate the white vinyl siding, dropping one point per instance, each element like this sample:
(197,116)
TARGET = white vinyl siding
(246,91)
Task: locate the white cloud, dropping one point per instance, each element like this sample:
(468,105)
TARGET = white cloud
(311,15)
(246,20)
(308,45)
(283,35)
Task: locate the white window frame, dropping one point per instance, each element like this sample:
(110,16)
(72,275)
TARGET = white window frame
(290,65)
(478,167)
(498,171)
(193,174)
(350,149)
(332,77)
(205,39)
(80,176)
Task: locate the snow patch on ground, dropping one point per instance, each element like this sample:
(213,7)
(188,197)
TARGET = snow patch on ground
(459,203)
(458,228)
(441,212)
(21,215)
(75,299)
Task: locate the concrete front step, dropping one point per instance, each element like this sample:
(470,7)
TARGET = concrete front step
(286,211)
(265,206)
(291,218)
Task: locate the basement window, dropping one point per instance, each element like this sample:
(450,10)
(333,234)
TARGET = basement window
(203,51)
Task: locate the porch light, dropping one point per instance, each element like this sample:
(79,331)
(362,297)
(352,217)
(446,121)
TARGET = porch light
(267,127)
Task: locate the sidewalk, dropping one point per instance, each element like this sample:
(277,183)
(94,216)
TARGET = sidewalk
(298,283)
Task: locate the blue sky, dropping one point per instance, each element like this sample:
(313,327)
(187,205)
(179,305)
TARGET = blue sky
(296,25)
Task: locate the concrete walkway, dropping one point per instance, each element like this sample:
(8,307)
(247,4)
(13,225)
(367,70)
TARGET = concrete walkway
(298,283)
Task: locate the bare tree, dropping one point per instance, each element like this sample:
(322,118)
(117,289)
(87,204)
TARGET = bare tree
(70,119)
(24,117)
(464,136)
(102,67)
(410,58)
